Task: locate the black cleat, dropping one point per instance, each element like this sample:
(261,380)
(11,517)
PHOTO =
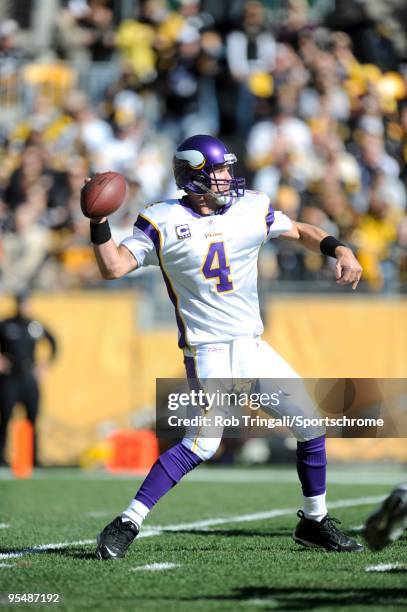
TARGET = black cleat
(388,522)
(324,534)
(115,539)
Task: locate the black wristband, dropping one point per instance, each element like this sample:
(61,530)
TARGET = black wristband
(100,232)
(328,245)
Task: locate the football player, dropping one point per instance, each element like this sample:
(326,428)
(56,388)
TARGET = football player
(206,245)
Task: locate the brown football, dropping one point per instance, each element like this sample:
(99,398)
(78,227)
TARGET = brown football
(103,194)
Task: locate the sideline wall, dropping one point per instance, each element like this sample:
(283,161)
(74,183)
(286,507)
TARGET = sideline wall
(106,368)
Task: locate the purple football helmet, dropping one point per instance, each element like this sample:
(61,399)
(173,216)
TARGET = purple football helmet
(196,157)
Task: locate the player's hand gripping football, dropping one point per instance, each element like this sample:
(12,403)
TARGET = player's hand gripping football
(347,270)
(93,219)
(102,195)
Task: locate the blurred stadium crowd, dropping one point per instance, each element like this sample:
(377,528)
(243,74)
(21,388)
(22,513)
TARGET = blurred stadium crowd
(310,96)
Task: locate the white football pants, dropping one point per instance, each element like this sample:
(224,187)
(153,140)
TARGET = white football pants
(244,358)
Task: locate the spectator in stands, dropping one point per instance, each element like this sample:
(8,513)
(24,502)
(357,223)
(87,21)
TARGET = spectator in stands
(277,148)
(26,244)
(33,177)
(12,52)
(101,28)
(191,105)
(94,133)
(378,230)
(296,23)
(374,159)
(71,39)
(250,50)
(85,35)
(311,117)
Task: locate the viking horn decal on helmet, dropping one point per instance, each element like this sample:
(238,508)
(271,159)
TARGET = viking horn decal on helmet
(194,158)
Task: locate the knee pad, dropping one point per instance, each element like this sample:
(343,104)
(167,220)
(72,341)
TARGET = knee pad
(205,448)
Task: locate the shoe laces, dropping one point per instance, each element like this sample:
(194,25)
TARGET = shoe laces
(122,533)
(329,523)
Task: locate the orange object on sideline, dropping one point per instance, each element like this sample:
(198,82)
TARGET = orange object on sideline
(132,450)
(22,448)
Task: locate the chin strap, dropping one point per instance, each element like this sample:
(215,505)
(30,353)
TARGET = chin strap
(221,200)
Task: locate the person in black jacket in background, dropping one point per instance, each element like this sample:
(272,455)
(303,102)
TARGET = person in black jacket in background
(20,372)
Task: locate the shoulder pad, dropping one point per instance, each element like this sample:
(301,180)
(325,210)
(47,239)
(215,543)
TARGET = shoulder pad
(257,197)
(159,211)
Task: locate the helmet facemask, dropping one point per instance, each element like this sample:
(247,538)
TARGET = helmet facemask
(206,180)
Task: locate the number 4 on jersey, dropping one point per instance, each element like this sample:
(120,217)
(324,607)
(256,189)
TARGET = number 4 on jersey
(216,266)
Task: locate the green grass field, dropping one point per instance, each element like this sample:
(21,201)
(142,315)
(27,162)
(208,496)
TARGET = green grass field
(226,532)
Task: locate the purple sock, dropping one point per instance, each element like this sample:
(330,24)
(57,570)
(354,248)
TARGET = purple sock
(311,466)
(169,468)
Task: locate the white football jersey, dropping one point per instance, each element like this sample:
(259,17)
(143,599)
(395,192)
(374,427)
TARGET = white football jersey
(209,263)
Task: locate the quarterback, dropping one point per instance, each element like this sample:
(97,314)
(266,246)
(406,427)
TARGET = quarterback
(206,245)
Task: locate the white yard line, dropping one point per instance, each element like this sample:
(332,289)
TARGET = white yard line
(7,564)
(266,601)
(4,525)
(97,514)
(258,516)
(386,567)
(155,567)
(156,530)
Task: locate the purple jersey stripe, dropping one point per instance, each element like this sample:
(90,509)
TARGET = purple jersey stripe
(181,327)
(269,217)
(149,230)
